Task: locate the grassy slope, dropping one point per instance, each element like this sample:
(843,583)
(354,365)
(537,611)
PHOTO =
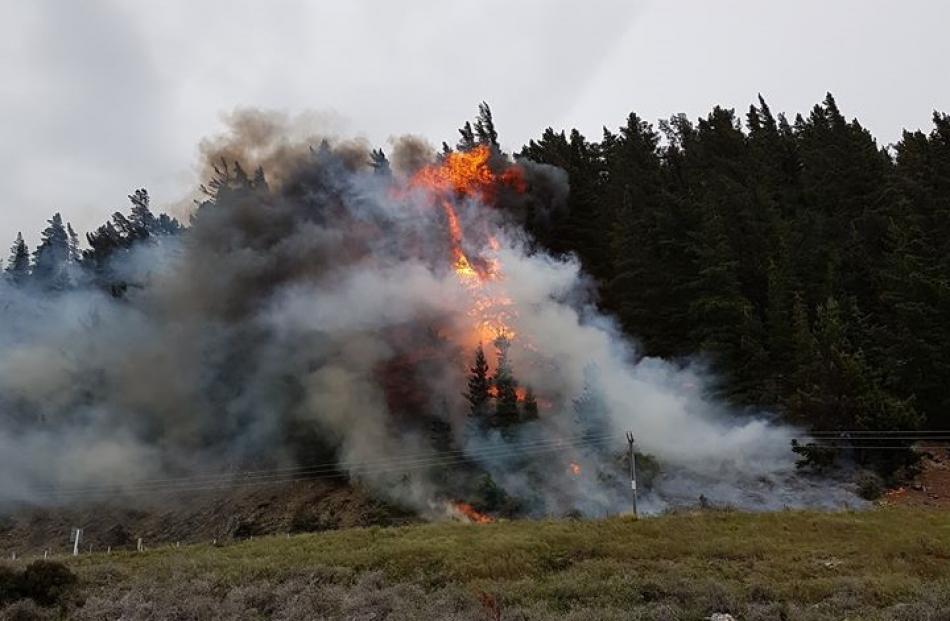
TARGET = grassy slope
(890,563)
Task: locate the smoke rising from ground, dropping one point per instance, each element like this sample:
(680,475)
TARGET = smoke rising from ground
(315,316)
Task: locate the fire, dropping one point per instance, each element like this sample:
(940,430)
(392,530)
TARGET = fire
(466,174)
(462,266)
(575,469)
(521,393)
(471,175)
(469,513)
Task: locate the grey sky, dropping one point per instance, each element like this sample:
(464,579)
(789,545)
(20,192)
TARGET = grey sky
(98,97)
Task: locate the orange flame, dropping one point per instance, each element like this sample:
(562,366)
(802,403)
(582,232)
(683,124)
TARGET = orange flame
(466,174)
(521,392)
(469,513)
(469,174)
(474,174)
(575,469)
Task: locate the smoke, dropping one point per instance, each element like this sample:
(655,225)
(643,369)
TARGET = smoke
(410,154)
(316,316)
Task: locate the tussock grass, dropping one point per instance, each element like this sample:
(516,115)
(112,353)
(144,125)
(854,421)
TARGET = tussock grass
(882,564)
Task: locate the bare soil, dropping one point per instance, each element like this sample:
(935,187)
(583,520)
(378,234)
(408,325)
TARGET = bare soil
(930,488)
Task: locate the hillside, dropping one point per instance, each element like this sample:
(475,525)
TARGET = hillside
(233,513)
(883,564)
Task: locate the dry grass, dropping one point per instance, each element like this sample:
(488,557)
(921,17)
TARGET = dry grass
(884,564)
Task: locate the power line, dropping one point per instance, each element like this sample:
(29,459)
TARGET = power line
(328,471)
(268,480)
(406,459)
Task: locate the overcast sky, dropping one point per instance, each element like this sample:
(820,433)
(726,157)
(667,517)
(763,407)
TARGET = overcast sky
(99,97)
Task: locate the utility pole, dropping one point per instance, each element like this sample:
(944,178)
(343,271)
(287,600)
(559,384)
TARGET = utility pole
(633,473)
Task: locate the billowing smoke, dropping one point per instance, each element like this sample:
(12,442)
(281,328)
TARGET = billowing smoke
(326,310)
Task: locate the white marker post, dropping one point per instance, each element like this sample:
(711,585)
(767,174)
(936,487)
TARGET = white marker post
(77,537)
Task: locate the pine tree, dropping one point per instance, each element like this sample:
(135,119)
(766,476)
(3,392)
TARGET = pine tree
(140,215)
(506,396)
(75,254)
(838,390)
(581,227)
(52,255)
(231,181)
(379,162)
(467,141)
(259,182)
(18,266)
(485,126)
(479,387)
(103,243)
(915,279)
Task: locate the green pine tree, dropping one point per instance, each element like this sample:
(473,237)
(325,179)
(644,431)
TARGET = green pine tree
(479,387)
(18,266)
(52,255)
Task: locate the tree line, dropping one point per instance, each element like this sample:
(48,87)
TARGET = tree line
(807,264)
(58,262)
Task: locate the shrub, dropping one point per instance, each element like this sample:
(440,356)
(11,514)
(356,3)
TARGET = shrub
(45,582)
(9,585)
(870,486)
